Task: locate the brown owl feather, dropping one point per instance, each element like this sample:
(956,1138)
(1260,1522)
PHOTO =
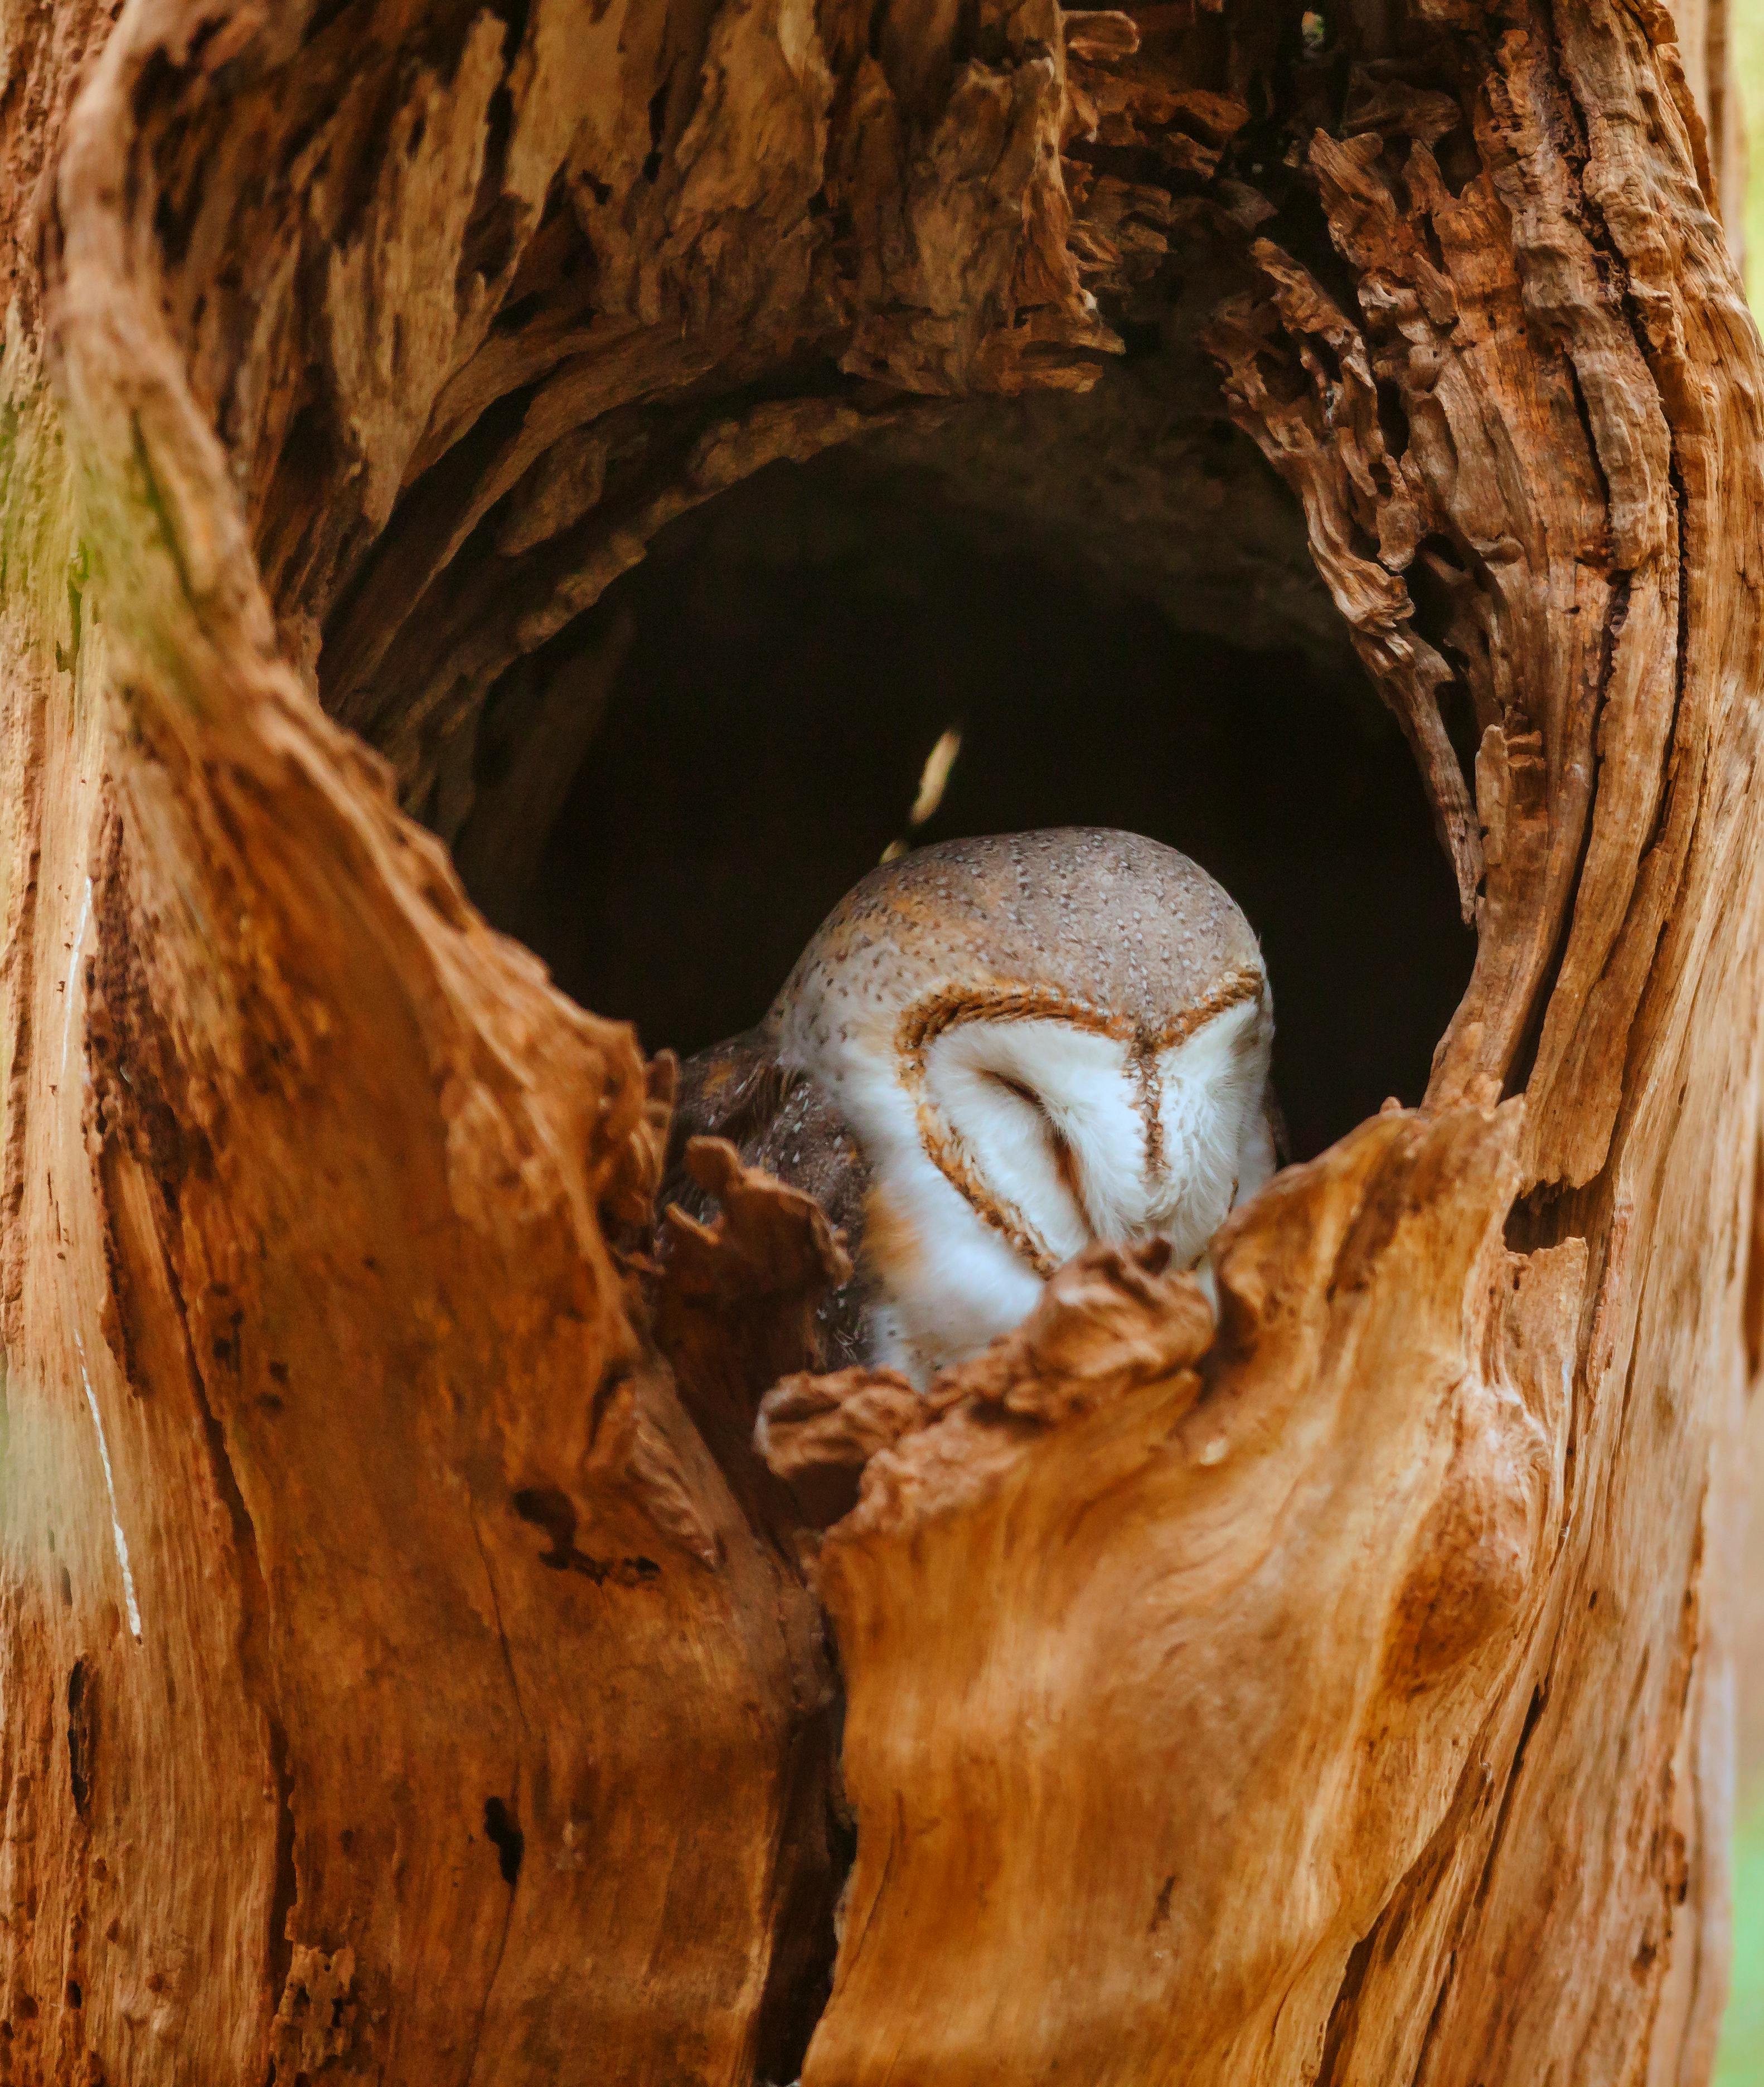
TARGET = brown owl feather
(781,1120)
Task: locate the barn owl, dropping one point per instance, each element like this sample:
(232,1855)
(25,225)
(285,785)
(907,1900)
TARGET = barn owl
(993,1052)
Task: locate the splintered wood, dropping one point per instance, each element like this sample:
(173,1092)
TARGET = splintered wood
(1167,1578)
(412,1670)
(1534,327)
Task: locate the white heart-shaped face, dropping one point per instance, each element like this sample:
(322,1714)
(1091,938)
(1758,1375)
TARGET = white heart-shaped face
(1061,1132)
(1006,1133)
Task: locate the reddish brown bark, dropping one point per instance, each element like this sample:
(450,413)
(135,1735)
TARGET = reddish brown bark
(411,1673)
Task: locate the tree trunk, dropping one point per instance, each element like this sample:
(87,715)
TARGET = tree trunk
(412,1673)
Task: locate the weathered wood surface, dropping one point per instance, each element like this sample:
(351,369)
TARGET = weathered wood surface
(409,1676)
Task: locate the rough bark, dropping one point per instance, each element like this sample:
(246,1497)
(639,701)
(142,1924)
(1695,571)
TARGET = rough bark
(411,1673)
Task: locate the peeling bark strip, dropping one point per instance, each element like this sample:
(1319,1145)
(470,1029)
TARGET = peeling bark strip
(409,1674)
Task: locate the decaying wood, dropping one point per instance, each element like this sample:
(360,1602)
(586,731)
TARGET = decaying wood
(1313,1547)
(410,1673)
(1556,394)
(736,1310)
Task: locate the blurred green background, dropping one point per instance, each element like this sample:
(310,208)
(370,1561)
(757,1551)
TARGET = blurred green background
(1741,2063)
(1742,2041)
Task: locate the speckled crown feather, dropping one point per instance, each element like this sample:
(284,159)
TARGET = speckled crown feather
(1108,921)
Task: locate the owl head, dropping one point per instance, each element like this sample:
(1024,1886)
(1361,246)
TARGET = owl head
(1041,1040)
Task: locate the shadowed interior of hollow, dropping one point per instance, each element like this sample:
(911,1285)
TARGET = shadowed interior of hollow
(786,662)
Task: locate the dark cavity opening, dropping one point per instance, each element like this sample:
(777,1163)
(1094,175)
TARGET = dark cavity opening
(80,1729)
(671,798)
(507,1838)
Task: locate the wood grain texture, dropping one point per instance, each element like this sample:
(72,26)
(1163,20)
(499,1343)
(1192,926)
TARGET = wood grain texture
(409,1670)
(1276,1581)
